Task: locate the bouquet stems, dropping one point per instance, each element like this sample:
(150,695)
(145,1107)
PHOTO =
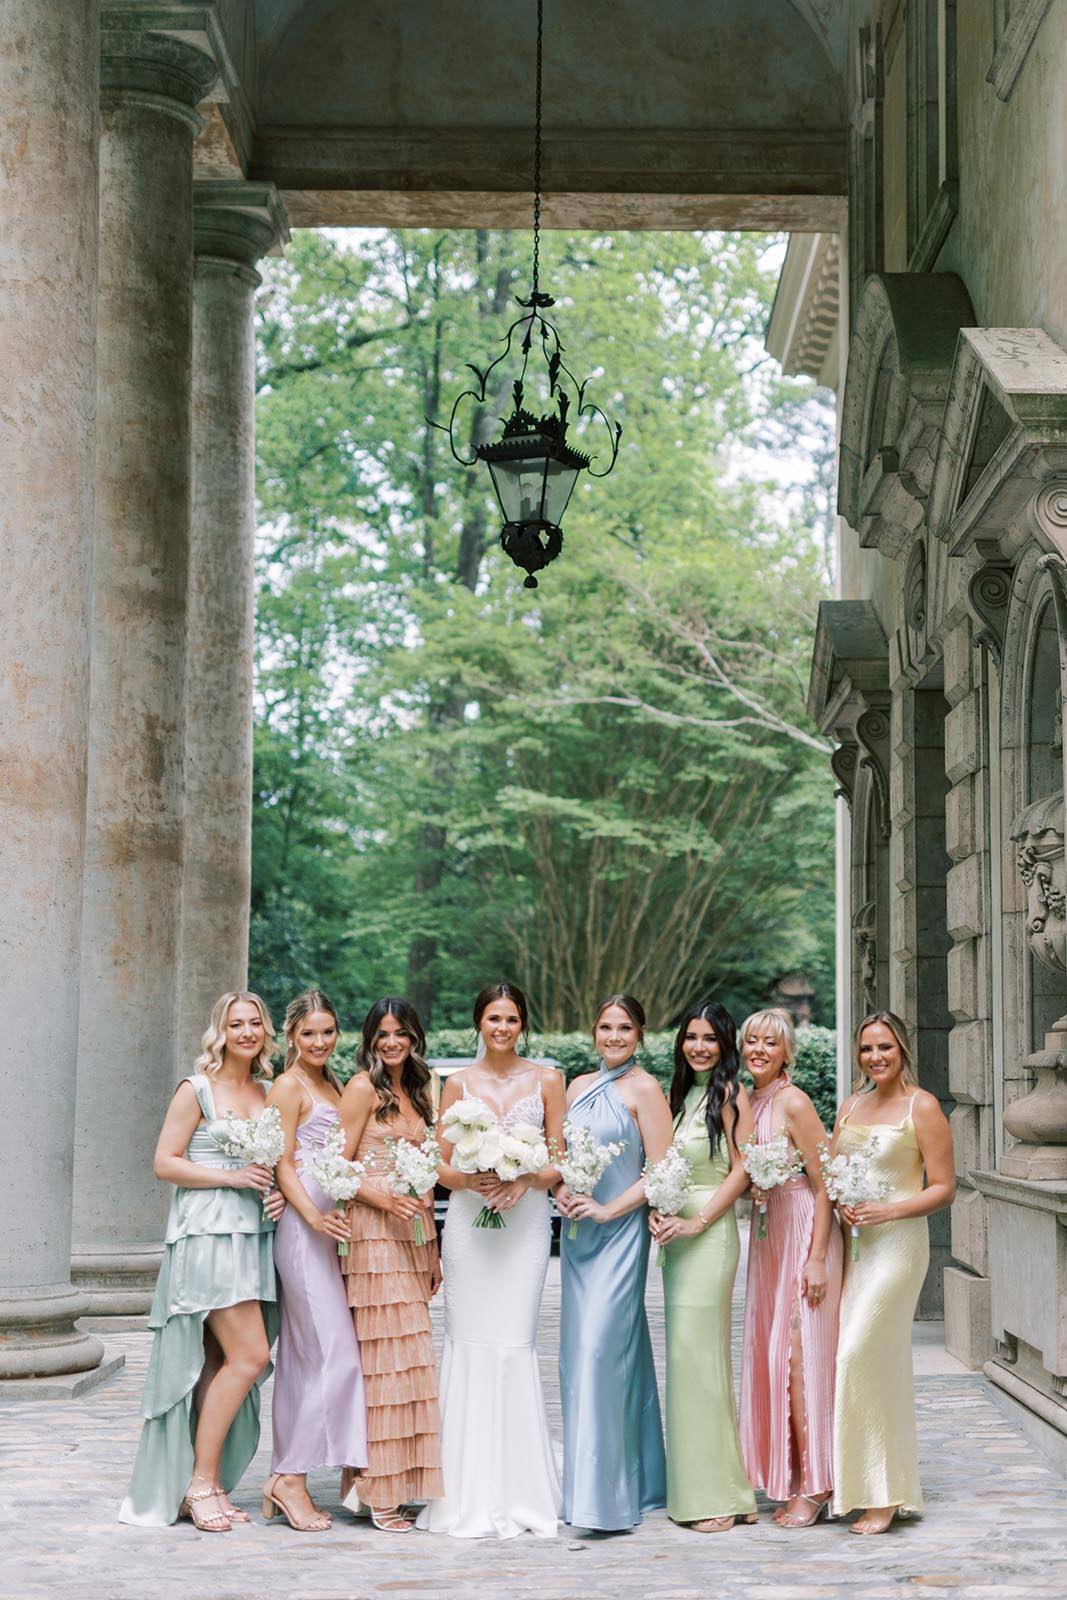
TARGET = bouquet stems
(342,1244)
(854,1248)
(761,1225)
(420,1236)
(572,1231)
(488,1218)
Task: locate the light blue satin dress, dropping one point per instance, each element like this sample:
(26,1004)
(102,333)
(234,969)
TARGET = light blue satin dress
(614,1468)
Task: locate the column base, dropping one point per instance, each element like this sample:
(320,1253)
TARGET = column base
(968,1318)
(38,1336)
(64,1385)
(1040,1416)
(117,1285)
(1041,1163)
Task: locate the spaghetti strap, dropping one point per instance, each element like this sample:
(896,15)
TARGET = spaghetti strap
(911,1102)
(845,1114)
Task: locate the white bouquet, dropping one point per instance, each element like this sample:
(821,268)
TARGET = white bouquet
(769,1165)
(669,1183)
(480,1143)
(257,1141)
(413,1170)
(337,1178)
(850,1181)
(585,1163)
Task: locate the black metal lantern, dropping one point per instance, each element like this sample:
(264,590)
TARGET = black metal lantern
(533,467)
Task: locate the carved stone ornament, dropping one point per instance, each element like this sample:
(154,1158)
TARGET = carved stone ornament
(1037,834)
(843,764)
(872,731)
(915,588)
(865,949)
(988,596)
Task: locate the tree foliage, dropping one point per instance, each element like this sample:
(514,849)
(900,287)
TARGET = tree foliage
(608,783)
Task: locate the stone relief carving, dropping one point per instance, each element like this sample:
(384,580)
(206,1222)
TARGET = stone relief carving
(915,589)
(988,595)
(1050,511)
(865,947)
(844,763)
(1037,834)
(872,732)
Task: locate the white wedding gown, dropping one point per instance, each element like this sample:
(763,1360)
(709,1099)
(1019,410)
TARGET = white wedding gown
(496,1453)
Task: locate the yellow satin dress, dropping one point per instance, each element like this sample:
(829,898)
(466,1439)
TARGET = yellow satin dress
(876,1457)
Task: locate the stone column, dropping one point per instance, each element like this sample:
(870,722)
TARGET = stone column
(127,1048)
(49,99)
(234,225)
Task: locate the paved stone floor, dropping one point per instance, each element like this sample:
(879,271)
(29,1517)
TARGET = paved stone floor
(996,1523)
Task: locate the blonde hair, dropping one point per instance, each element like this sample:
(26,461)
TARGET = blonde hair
(213,1043)
(778,1022)
(304,1004)
(898,1029)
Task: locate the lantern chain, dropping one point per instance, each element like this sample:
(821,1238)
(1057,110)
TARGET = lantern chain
(537,153)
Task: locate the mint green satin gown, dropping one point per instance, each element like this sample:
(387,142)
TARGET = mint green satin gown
(705,1473)
(219,1251)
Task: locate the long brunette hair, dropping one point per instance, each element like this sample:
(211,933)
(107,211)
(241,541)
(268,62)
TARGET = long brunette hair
(414,1075)
(723,1079)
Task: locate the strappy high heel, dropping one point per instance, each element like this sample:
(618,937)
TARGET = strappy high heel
(819,1508)
(235,1513)
(272,1505)
(204,1522)
(391,1521)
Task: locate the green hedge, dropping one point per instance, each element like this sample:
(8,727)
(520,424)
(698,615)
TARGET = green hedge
(815,1071)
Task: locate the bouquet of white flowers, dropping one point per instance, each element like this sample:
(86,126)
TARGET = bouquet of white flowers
(850,1181)
(413,1170)
(668,1183)
(257,1141)
(337,1178)
(482,1144)
(769,1165)
(585,1163)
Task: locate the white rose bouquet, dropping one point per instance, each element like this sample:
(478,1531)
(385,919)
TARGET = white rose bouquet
(337,1178)
(769,1165)
(413,1170)
(850,1181)
(257,1141)
(482,1144)
(668,1184)
(585,1163)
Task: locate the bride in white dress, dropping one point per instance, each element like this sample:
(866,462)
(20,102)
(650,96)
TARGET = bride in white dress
(499,1469)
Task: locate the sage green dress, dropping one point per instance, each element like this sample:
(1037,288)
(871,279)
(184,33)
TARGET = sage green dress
(705,1473)
(219,1251)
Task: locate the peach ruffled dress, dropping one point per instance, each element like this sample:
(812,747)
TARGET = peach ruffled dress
(389,1278)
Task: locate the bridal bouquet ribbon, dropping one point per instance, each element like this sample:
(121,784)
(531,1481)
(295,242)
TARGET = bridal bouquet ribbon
(413,1170)
(668,1184)
(481,1143)
(850,1181)
(585,1163)
(257,1141)
(338,1179)
(769,1165)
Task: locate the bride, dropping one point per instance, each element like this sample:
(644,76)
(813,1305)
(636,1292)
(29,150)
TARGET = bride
(497,1461)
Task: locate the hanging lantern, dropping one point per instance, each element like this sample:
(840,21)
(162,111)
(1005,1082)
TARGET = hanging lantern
(533,467)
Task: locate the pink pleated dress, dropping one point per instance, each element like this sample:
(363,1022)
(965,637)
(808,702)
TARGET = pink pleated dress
(774,1308)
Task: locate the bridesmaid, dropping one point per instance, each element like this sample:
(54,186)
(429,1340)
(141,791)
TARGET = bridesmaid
(706,1483)
(391,1279)
(318,1411)
(213,1314)
(792,1296)
(613,1463)
(876,1463)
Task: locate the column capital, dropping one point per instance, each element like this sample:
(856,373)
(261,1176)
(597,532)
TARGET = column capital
(236,223)
(145,68)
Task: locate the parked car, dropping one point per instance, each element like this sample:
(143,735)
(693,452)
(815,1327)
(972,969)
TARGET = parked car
(442,1068)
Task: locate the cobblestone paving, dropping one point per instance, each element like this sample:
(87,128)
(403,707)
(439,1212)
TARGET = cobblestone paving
(995,1528)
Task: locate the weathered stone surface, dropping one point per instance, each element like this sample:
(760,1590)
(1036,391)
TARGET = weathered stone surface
(958,648)
(963,994)
(968,1334)
(49,126)
(970,1058)
(963,747)
(127,1049)
(970,1242)
(960,835)
(966,898)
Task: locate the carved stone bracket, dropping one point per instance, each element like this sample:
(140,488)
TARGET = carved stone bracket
(872,733)
(844,764)
(988,597)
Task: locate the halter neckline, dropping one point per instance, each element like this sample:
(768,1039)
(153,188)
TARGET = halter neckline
(769,1090)
(613,1074)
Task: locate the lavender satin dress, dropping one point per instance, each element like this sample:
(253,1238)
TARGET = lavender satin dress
(319,1412)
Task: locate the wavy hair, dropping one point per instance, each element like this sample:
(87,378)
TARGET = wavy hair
(213,1043)
(415,1077)
(303,1005)
(899,1029)
(723,1080)
(777,1021)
